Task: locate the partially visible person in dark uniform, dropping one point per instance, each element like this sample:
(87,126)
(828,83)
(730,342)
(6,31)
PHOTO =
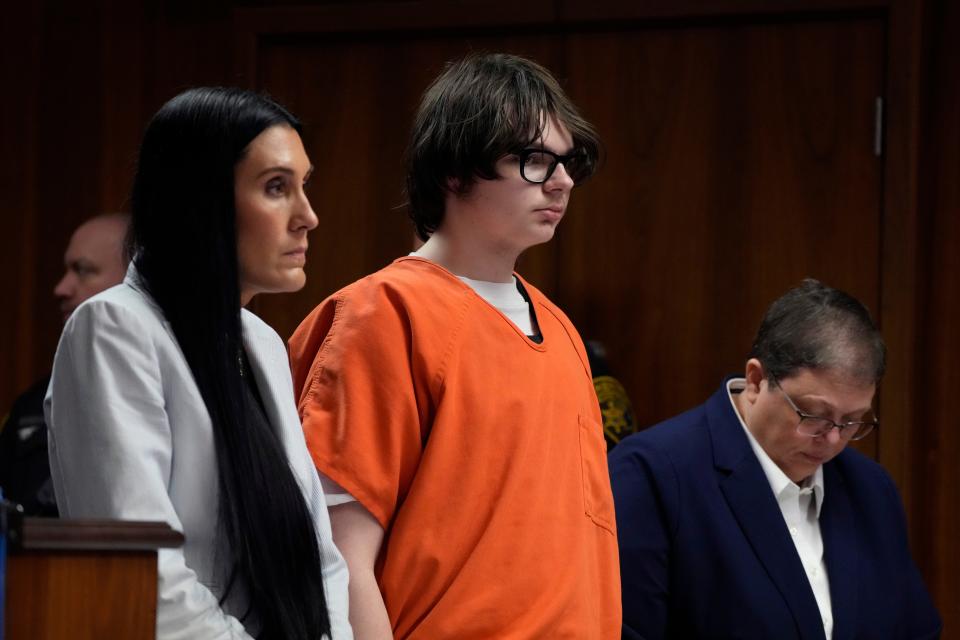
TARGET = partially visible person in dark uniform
(619,420)
(94,261)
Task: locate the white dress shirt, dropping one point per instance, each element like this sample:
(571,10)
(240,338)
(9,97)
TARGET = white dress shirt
(800,506)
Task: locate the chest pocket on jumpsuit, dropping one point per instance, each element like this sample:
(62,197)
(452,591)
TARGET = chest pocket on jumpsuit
(597,496)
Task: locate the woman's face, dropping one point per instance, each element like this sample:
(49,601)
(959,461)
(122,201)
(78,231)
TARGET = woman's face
(273,214)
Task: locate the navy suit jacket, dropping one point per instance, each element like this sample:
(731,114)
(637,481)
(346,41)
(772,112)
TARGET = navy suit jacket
(705,552)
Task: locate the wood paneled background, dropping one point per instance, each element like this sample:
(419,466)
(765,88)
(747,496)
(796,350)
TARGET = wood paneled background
(741,157)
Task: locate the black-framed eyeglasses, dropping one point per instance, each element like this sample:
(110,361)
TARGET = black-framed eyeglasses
(815,426)
(537,165)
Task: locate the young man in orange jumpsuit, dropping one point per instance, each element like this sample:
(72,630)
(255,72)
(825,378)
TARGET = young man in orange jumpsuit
(448,404)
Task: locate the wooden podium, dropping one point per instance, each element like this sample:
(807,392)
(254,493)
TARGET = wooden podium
(85,579)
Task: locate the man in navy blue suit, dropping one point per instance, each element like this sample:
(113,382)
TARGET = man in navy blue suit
(747,517)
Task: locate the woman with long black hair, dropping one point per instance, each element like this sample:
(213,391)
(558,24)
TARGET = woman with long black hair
(170,401)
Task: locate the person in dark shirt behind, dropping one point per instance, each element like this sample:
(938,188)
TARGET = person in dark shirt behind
(94,261)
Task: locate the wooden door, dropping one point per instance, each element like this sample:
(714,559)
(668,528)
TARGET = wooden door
(741,160)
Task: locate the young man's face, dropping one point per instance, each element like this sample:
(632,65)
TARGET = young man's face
(510,215)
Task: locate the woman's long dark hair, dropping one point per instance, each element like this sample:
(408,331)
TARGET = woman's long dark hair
(183,239)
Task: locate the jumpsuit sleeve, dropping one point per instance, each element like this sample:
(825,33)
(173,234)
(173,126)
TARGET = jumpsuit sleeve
(357,398)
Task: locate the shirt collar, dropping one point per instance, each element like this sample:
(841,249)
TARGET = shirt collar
(779,482)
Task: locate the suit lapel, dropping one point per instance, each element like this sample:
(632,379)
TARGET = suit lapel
(840,549)
(748,494)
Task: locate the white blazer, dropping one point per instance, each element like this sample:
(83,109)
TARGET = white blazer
(130,438)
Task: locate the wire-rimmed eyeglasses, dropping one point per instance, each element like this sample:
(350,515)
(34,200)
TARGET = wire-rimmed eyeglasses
(815,426)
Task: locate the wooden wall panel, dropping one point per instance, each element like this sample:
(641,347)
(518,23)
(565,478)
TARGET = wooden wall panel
(68,135)
(86,79)
(18,243)
(936,495)
(740,161)
(54,130)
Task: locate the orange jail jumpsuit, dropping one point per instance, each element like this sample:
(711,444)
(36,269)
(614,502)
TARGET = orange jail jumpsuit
(479,451)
